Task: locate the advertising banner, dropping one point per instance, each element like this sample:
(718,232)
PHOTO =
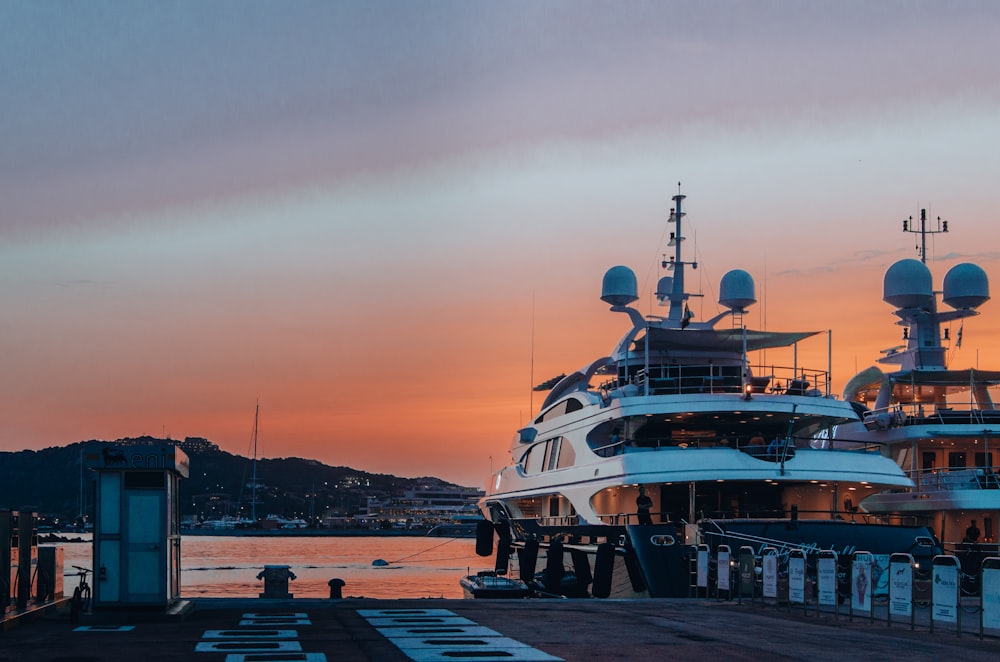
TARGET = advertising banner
(747,571)
(723,577)
(770,564)
(944,591)
(991,594)
(702,566)
(826,579)
(797,578)
(861,583)
(901,585)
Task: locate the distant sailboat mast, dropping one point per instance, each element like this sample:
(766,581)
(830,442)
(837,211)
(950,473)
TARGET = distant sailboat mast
(253,483)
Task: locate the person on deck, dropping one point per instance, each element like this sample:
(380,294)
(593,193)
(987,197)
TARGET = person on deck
(643,505)
(772,448)
(972,533)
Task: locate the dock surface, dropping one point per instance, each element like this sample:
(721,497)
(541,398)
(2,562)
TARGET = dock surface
(313,630)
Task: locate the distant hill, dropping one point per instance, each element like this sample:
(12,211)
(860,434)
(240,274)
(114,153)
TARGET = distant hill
(53,484)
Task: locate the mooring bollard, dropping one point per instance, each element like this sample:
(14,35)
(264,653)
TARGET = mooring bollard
(276,581)
(336,588)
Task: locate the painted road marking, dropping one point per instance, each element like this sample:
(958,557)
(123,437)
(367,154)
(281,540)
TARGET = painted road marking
(412,621)
(276,657)
(432,635)
(265,643)
(291,618)
(245,646)
(439,631)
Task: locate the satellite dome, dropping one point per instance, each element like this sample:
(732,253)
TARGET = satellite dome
(966,286)
(619,287)
(907,284)
(664,287)
(736,290)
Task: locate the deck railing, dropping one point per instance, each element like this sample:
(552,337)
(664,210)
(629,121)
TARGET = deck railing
(950,480)
(709,378)
(854,515)
(928,414)
(752,445)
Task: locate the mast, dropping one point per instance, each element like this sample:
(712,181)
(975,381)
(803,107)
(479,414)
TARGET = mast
(924,331)
(253,484)
(678,297)
(923,231)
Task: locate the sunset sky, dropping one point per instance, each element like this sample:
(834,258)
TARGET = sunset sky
(385,220)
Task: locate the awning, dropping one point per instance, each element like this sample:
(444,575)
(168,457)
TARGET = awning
(716,340)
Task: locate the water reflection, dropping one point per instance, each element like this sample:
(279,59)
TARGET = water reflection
(227,566)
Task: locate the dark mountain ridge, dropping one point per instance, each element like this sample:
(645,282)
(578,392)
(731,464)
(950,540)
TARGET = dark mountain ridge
(54,483)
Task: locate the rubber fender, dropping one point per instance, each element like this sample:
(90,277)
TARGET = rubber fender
(527,556)
(634,571)
(484,538)
(581,566)
(604,568)
(554,570)
(503,546)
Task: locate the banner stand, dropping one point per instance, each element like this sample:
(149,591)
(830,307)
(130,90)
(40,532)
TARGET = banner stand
(723,573)
(989,595)
(945,606)
(826,582)
(862,588)
(769,574)
(747,574)
(901,588)
(796,578)
(701,581)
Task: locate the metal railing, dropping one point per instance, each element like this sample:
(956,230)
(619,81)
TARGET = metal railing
(956,479)
(907,414)
(753,445)
(709,378)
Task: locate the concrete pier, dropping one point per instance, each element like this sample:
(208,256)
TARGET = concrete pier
(312,630)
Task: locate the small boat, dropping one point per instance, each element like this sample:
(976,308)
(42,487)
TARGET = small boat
(453,530)
(489,584)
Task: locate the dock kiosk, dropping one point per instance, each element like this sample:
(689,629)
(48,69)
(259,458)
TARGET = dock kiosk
(137,542)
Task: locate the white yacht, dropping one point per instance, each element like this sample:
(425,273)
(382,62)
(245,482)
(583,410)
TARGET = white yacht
(730,447)
(939,423)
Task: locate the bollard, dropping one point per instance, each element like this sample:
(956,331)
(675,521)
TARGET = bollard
(276,581)
(336,588)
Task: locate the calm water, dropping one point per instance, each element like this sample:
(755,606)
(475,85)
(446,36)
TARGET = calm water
(223,566)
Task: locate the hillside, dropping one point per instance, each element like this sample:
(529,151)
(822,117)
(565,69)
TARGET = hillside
(52,483)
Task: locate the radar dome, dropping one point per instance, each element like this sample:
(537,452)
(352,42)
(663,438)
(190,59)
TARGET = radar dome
(619,287)
(736,290)
(664,287)
(966,286)
(907,284)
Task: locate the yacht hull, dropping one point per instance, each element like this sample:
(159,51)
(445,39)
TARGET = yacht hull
(653,561)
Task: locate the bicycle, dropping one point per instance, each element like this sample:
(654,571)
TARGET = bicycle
(80,602)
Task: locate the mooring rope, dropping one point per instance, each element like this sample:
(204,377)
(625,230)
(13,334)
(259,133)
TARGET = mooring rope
(406,558)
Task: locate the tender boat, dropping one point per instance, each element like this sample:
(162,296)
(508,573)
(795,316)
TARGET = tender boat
(937,422)
(490,584)
(729,447)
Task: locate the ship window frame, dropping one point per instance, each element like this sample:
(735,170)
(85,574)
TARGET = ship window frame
(561,408)
(552,456)
(552,453)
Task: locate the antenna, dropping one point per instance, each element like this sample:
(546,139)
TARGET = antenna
(531,371)
(942,226)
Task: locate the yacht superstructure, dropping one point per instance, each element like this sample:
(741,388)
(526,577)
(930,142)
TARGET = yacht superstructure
(939,423)
(726,447)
